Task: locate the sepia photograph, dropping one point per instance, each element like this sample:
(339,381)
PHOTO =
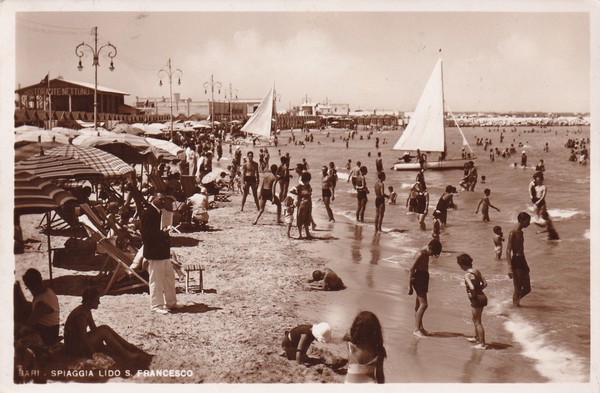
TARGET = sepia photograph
(261,193)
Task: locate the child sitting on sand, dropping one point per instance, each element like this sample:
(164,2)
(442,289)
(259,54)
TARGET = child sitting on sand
(419,281)
(498,239)
(475,283)
(365,350)
(297,341)
(331,281)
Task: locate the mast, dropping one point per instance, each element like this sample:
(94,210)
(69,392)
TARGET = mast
(443,106)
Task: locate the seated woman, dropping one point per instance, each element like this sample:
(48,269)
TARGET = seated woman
(331,281)
(45,312)
(297,341)
(79,342)
(365,350)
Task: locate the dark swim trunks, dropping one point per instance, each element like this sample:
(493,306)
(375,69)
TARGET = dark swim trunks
(326,193)
(249,179)
(361,194)
(519,262)
(379,201)
(266,194)
(420,282)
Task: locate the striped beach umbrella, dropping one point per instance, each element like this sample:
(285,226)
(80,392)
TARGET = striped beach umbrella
(110,166)
(57,167)
(34,195)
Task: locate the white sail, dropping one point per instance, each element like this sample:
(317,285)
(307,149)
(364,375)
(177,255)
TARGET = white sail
(425,130)
(260,122)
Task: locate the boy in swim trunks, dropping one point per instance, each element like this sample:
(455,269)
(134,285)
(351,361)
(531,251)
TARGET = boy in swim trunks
(380,196)
(518,269)
(475,284)
(419,281)
(267,193)
(250,179)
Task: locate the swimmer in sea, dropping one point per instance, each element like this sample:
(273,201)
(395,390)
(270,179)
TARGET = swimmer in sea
(518,269)
(419,281)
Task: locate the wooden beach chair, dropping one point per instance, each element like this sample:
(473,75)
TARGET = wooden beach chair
(123,261)
(157,182)
(98,223)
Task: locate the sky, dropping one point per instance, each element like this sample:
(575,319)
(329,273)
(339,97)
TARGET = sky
(493,61)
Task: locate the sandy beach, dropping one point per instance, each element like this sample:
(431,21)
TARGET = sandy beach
(255,288)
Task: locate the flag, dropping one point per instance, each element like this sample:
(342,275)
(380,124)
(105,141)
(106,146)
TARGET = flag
(46,80)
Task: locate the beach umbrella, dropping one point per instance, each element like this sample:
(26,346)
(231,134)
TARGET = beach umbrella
(71,133)
(41,136)
(26,149)
(93,140)
(57,167)
(34,195)
(125,128)
(165,145)
(110,166)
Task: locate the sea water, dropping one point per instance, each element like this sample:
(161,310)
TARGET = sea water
(552,328)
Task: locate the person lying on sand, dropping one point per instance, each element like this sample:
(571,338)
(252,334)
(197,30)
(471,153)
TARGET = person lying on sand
(331,281)
(79,342)
(297,341)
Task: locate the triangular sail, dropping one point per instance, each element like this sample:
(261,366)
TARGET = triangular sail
(260,122)
(425,131)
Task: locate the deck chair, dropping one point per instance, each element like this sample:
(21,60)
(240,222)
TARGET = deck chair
(167,221)
(97,222)
(157,182)
(188,185)
(123,260)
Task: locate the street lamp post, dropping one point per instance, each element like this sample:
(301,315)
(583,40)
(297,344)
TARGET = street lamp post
(80,52)
(212,84)
(231,91)
(168,72)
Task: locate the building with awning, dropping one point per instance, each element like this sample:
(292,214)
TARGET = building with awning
(70,96)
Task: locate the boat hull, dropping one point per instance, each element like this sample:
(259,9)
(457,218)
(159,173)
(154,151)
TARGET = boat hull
(433,165)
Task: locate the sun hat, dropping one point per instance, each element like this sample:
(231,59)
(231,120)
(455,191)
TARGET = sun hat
(322,332)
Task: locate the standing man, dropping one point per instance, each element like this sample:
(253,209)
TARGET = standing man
(518,269)
(250,179)
(379,162)
(204,166)
(157,250)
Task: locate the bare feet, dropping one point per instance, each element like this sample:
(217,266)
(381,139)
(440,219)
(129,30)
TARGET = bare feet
(419,334)
(480,346)
(472,339)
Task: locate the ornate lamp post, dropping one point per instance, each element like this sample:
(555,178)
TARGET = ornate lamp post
(80,52)
(212,84)
(168,72)
(230,98)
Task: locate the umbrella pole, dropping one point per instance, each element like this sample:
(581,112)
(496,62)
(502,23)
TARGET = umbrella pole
(49,246)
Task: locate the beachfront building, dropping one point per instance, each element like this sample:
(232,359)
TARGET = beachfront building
(65,102)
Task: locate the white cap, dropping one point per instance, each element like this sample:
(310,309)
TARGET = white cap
(322,332)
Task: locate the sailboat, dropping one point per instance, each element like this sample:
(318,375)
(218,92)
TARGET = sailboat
(426,131)
(262,119)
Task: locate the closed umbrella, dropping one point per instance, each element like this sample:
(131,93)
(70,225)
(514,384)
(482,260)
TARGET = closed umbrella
(110,166)
(57,167)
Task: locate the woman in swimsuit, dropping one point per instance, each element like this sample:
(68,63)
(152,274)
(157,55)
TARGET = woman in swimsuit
(422,205)
(365,350)
(361,194)
(326,193)
(474,283)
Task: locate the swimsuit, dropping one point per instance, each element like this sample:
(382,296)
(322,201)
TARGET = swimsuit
(250,180)
(519,262)
(420,203)
(420,282)
(477,297)
(326,193)
(266,194)
(379,201)
(359,372)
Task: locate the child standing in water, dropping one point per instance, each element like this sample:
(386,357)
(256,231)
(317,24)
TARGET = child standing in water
(475,283)
(485,209)
(437,225)
(393,195)
(498,239)
(419,281)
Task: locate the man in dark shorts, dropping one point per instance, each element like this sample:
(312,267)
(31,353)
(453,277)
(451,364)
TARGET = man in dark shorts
(267,193)
(250,179)
(518,269)
(419,281)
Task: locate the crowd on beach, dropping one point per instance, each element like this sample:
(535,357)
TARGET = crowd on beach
(139,211)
